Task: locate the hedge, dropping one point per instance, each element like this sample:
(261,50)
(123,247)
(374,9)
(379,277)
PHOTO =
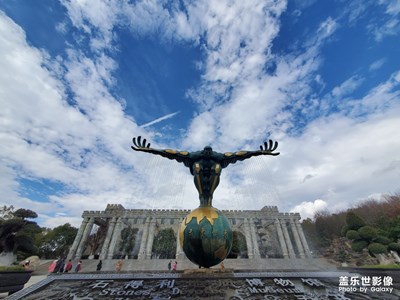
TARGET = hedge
(358,246)
(352,235)
(376,248)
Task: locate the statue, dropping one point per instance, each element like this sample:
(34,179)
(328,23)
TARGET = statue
(205,234)
(205,165)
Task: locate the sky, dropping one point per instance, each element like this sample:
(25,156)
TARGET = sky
(80,79)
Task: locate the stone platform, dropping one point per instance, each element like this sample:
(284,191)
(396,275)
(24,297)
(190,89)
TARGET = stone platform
(224,284)
(156,265)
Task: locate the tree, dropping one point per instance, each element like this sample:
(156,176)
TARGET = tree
(128,240)
(358,246)
(328,226)
(16,233)
(376,248)
(96,238)
(54,243)
(239,247)
(352,235)
(164,245)
(394,247)
(354,221)
(368,233)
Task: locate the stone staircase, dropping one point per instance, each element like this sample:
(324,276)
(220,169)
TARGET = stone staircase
(160,265)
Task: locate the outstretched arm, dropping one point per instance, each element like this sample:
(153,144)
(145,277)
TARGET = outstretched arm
(179,156)
(267,149)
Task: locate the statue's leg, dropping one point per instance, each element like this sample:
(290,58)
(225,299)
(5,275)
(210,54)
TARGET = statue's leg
(216,172)
(197,179)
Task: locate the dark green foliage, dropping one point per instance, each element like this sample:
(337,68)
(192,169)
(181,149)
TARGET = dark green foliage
(376,248)
(310,231)
(394,247)
(239,247)
(328,226)
(368,233)
(358,246)
(11,268)
(382,240)
(128,239)
(382,218)
(344,230)
(54,243)
(343,256)
(164,245)
(394,228)
(353,221)
(25,214)
(352,235)
(16,233)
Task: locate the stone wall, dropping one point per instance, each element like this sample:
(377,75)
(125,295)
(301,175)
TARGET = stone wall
(268,233)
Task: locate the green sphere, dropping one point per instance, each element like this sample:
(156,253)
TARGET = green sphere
(205,236)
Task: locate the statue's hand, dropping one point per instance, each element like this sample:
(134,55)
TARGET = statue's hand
(139,144)
(269,148)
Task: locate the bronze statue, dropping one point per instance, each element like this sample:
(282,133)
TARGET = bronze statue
(205,165)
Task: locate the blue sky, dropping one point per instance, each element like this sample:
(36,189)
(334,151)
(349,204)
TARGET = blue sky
(79,79)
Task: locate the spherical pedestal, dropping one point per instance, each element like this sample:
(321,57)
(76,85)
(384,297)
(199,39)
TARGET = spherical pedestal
(205,236)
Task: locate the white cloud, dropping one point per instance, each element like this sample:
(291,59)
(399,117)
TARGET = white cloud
(347,87)
(389,25)
(166,117)
(376,65)
(308,209)
(340,157)
(85,147)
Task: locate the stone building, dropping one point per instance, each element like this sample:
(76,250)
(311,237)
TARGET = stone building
(265,234)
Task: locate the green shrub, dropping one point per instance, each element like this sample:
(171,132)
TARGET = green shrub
(352,235)
(394,247)
(368,233)
(353,221)
(382,240)
(358,246)
(12,268)
(344,230)
(376,248)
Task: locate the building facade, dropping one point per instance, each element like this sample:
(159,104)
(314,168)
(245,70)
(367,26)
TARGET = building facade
(264,233)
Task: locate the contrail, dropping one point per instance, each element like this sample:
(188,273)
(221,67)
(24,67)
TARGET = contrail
(160,119)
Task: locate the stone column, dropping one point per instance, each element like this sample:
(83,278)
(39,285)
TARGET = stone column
(297,238)
(77,240)
(142,249)
(254,238)
(85,236)
(179,251)
(115,237)
(106,244)
(150,238)
(249,242)
(287,239)
(281,239)
(303,239)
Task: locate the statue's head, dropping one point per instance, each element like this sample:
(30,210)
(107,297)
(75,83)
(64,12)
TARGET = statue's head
(207,150)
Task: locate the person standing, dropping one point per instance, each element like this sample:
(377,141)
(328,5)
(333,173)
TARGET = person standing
(62,265)
(118,266)
(52,266)
(99,266)
(169,265)
(58,265)
(175,266)
(68,267)
(78,267)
